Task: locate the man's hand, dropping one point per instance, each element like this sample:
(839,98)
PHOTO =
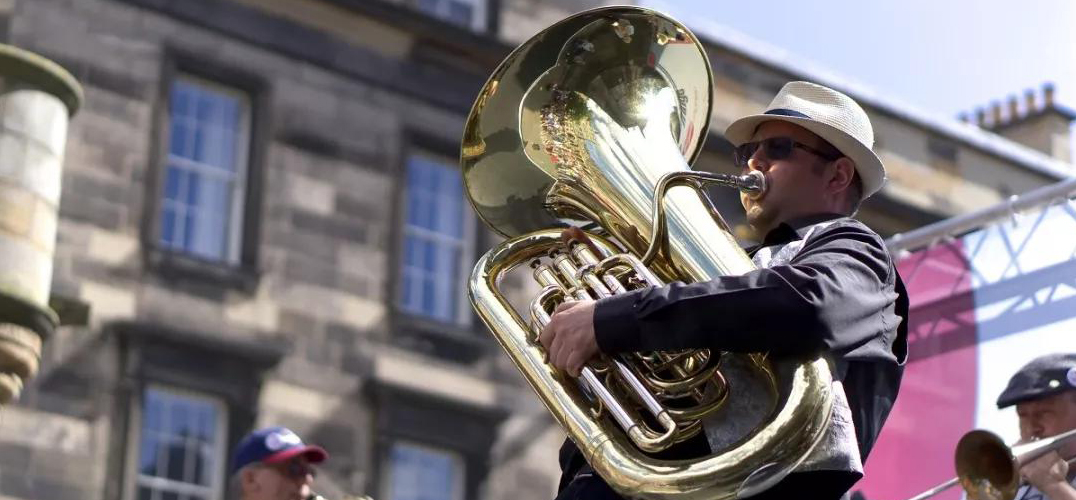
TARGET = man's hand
(1046,472)
(569,337)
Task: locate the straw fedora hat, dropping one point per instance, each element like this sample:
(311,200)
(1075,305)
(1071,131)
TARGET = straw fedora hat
(832,116)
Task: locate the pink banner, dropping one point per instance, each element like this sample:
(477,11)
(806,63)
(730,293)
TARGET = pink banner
(936,404)
(982,306)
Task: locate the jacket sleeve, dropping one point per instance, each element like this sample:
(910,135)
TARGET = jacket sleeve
(832,296)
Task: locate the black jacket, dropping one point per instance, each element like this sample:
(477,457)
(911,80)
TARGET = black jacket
(840,294)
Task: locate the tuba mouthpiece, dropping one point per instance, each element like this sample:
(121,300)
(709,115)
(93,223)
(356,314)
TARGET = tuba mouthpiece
(753,184)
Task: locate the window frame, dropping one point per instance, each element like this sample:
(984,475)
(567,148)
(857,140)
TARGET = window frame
(404,414)
(479,15)
(237,211)
(176,266)
(941,149)
(457,460)
(132,475)
(463,318)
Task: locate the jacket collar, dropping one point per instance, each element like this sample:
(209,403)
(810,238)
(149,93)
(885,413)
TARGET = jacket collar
(793,229)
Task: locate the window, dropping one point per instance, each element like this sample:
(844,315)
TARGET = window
(422,473)
(180,447)
(205,171)
(466,13)
(942,149)
(438,236)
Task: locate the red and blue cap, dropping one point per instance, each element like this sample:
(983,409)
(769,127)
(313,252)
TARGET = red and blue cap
(273,445)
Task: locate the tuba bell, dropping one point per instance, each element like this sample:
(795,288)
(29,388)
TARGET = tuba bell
(593,123)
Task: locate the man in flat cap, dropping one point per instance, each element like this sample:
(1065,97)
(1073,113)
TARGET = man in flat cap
(1044,392)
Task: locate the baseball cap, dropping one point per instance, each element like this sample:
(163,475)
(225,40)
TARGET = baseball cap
(273,445)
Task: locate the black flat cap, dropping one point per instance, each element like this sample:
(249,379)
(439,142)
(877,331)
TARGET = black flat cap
(1043,376)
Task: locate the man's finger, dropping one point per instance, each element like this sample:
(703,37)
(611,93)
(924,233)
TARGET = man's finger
(553,342)
(575,234)
(572,233)
(558,353)
(546,337)
(564,306)
(576,361)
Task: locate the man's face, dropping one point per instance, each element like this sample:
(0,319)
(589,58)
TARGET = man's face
(288,480)
(794,186)
(1049,416)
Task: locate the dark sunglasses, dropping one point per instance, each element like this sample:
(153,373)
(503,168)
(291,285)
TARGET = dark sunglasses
(776,148)
(294,469)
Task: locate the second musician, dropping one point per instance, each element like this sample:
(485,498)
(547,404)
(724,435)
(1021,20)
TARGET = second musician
(826,283)
(1044,392)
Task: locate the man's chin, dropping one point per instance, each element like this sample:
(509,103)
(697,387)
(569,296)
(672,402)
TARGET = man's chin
(756,216)
(761,221)
(298,495)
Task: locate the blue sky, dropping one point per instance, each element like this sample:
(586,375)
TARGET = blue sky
(940,56)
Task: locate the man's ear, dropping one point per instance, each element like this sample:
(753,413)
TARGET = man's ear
(844,169)
(248,480)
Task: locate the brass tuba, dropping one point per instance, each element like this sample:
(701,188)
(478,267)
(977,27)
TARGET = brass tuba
(593,123)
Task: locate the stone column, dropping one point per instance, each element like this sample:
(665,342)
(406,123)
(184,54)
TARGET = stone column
(37,97)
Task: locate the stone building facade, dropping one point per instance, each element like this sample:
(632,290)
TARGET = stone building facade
(262,209)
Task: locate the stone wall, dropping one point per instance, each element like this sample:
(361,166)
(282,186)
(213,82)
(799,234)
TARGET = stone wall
(328,160)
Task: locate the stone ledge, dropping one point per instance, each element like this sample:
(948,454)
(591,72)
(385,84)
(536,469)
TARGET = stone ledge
(25,66)
(427,378)
(46,431)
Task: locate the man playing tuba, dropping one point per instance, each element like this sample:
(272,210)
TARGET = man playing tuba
(825,284)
